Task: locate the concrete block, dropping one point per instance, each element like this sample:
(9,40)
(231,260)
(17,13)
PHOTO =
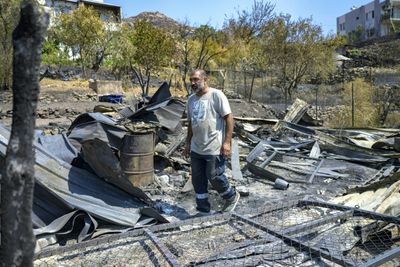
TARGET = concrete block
(103,87)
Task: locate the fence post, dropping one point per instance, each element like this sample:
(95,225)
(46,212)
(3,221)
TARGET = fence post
(352,104)
(251,86)
(234,81)
(262,88)
(286,99)
(245,86)
(316,103)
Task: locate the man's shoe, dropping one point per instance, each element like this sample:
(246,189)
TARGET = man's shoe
(203,209)
(203,205)
(230,204)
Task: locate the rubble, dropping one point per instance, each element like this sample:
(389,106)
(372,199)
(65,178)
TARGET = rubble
(300,167)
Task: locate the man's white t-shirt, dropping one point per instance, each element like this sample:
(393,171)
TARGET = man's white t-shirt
(207,114)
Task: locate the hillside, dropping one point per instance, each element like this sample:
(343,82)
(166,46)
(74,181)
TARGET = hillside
(155,18)
(383,53)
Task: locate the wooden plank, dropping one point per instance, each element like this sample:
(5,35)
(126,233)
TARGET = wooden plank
(296,111)
(235,161)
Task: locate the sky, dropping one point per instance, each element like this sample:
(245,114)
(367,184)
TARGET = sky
(214,12)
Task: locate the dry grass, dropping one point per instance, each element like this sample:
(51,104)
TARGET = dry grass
(366,111)
(136,92)
(58,85)
(393,120)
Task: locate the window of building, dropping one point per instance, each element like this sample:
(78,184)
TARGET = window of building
(396,13)
(373,14)
(357,18)
(366,16)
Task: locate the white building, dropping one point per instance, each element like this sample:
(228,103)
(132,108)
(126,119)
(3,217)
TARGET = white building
(375,19)
(106,11)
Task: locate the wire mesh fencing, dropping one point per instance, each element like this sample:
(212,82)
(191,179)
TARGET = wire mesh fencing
(129,251)
(288,233)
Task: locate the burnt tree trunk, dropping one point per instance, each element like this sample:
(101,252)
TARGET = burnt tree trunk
(17,241)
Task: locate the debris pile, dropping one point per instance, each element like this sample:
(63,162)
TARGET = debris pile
(116,170)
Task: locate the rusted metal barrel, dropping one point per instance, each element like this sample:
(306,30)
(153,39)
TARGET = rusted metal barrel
(137,157)
(397,144)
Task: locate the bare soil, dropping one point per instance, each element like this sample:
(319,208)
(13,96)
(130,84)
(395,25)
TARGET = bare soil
(60,102)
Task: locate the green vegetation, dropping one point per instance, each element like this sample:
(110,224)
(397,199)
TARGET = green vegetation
(297,49)
(366,113)
(356,35)
(82,32)
(9,16)
(150,49)
(251,41)
(254,50)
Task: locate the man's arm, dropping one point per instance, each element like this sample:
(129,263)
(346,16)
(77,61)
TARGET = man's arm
(188,139)
(226,145)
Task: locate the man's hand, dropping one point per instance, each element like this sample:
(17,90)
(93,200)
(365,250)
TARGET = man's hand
(226,149)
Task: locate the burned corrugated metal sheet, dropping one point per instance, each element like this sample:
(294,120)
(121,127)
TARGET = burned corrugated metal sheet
(341,149)
(99,140)
(92,116)
(163,93)
(166,113)
(161,109)
(96,128)
(101,158)
(60,146)
(80,189)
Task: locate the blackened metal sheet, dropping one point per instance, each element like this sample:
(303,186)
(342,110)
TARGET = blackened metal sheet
(81,189)
(46,207)
(92,116)
(105,164)
(161,95)
(111,134)
(343,150)
(60,146)
(168,113)
(162,109)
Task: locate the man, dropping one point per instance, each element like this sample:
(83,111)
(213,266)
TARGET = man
(209,141)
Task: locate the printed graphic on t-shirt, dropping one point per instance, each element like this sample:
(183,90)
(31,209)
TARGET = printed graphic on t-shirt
(199,112)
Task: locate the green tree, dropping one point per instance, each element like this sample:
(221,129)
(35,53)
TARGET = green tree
(249,24)
(243,40)
(153,49)
(9,15)
(122,51)
(54,52)
(83,31)
(206,46)
(296,50)
(356,35)
(184,46)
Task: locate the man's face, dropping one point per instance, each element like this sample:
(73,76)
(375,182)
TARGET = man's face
(197,82)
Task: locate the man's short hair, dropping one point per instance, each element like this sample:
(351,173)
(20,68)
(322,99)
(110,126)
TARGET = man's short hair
(202,73)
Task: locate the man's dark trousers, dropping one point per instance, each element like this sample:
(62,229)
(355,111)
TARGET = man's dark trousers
(209,168)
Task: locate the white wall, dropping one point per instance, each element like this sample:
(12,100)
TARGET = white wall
(341,20)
